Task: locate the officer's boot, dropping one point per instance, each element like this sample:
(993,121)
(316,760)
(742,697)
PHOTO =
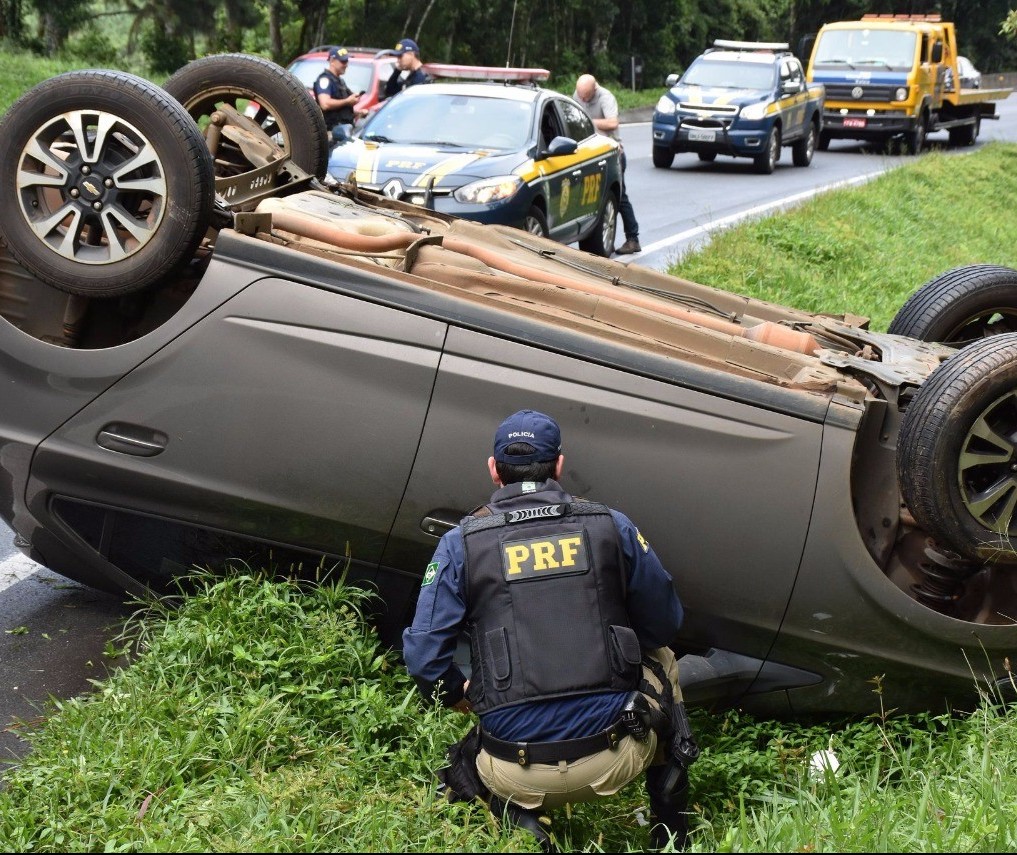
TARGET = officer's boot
(668,810)
(531,820)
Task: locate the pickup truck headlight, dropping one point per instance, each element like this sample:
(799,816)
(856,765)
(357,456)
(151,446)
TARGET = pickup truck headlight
(665,105)
(754,111)
(900,93)
(489,190)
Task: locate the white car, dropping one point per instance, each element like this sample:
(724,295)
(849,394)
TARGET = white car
(970,77)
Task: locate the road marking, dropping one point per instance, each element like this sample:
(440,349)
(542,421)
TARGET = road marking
(759,210)
(16,569)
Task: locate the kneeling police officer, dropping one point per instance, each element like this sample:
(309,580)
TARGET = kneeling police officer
(569,613)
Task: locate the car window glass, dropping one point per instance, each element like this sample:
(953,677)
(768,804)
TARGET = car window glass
(550,126)
(893,48)
(467,121)
(729,75)
(791,70)
(578,124)
(307,70)
(358,75)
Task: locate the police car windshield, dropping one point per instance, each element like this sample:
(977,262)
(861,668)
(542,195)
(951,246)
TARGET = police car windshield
(730,75)
(463,121)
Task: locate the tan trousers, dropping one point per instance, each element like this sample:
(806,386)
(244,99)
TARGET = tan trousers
(552,785)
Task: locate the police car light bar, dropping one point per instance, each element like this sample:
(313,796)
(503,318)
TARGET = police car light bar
(724,44)
(487,72)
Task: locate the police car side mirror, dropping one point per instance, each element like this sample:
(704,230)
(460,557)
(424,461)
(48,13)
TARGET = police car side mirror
(562,145)
(671,80)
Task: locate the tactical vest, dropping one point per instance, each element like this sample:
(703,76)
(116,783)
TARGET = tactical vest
(545,592)
(339,89)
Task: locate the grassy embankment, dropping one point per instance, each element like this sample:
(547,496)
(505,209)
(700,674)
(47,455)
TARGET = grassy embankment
(260,717)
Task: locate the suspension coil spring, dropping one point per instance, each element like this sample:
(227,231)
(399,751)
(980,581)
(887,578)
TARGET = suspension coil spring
(943,576)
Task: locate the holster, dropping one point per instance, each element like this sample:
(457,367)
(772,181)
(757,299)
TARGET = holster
(460,777)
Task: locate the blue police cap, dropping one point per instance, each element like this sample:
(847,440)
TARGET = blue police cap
(537,429)
(405,46)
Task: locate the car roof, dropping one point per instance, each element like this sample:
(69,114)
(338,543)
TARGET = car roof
(509,92)
(355,52)
(724,50)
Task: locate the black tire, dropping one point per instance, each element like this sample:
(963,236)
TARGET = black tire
(708,156)
(966,134)
(766,162)
(601,240)
(956,452)
(803,149)
(960,306)
(535,222)
(824,140)
(663,157)
(124,228)
(287,112)
(914,140)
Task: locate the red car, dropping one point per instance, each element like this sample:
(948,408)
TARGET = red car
(368,71)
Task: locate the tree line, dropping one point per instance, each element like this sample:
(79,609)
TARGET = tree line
(613,40)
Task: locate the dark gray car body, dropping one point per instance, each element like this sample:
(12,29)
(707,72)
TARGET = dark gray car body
(315,385)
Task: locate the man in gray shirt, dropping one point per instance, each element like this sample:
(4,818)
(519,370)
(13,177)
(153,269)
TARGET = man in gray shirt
(603,109)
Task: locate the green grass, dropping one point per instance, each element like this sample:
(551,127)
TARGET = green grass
(264,716)
(865,249)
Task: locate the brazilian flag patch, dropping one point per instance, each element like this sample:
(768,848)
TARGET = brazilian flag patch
(430,574)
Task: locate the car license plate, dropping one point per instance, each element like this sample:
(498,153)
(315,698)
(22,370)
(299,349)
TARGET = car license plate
(854,123)
(700,135)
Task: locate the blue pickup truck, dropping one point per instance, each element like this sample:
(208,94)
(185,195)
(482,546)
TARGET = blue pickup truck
(741,99)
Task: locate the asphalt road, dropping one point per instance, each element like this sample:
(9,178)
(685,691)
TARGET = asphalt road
(55,633)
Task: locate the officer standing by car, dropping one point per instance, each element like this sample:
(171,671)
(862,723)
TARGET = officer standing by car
(569,612)
(409,70)
(602,108)
(334,97)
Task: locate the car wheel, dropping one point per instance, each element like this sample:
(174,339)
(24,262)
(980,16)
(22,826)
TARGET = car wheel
(966,134)
(601,240)
(535,222)
(961,306)
(109,182)
(708,156)
(766,162)
(663,157)
(914,141)
(284,110)
(803,149)
(957,450)
(824,141)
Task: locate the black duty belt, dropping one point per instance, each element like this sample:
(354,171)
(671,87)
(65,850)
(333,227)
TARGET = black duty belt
(525,753)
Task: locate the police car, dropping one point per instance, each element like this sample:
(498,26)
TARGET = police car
(510,153)
(742,99)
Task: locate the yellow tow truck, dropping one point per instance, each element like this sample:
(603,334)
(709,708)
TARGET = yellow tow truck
(889,77)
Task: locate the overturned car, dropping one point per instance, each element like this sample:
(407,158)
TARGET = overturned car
(211,354)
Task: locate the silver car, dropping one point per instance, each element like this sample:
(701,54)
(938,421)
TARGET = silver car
(231,361)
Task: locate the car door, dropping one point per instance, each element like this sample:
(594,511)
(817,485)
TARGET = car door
(695,472)
(592,156)
(794,104)
(287,417)
(559,175)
